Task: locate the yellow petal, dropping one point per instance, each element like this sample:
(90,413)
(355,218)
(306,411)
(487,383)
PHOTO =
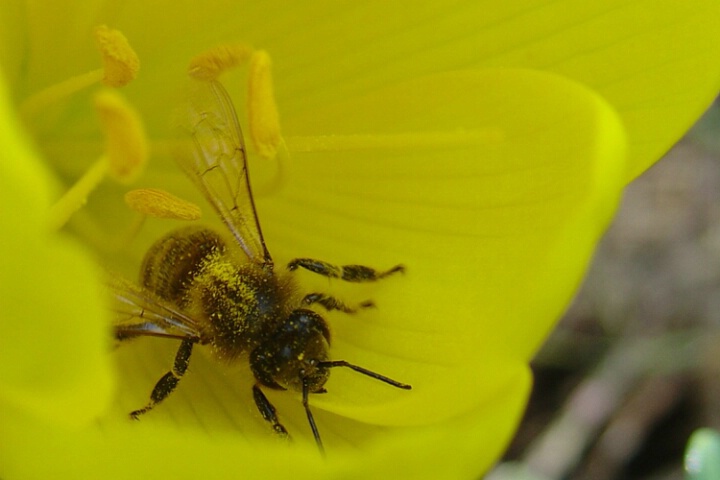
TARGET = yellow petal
(654,61)
(480,217)
(450,449)
(53,337)
(495,225)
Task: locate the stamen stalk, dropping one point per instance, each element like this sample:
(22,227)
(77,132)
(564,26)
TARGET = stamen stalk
(77,195)
(58,92)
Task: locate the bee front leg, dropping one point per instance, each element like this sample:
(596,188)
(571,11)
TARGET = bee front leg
(169,381)
(349,273)
(267,410)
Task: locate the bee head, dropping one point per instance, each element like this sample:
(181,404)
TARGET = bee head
(291,357)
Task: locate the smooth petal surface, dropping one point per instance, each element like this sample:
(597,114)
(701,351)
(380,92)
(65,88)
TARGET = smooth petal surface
(128,452)
(53,335)
(470,210)
(482,199)
(490,186)
(653,61)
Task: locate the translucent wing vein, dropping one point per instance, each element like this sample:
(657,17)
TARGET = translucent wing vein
(140,312)
(217,164)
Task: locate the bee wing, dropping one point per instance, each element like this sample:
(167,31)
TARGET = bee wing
(139,312)
(217,164)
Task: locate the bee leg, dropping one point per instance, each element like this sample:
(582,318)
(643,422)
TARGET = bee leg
(349,273)
(332,303)
(268,411)
(311,419)
(169,381)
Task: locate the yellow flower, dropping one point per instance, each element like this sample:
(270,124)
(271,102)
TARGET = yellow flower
(415,134)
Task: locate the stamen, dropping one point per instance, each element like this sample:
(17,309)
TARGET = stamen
(55,93)
(126,144)
(262,110)
(124,158)
(120,62)
(275,182)
(77,195)
(211,63)
(161,204)
(101,240)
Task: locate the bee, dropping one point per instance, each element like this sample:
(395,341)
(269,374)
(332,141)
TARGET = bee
(200,289)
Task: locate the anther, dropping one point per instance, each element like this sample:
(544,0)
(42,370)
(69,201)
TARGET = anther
(120,61)
(124,158)
(161,204)
(263,115)
(120,66)
(209,64)
(126,145)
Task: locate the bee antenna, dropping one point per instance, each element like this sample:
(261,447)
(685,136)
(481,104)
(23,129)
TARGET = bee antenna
(364,371)
(311,419)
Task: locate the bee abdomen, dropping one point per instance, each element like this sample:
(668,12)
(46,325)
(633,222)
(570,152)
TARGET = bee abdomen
(172,262)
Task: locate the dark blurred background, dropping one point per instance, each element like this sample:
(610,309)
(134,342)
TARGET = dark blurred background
(634,367)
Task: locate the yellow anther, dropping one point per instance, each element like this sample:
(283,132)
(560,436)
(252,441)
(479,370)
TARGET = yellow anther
(126,145)
(212,62)
(119,59)
(124,158)
(263,115)
(161,204)
(264,120)
(121,65)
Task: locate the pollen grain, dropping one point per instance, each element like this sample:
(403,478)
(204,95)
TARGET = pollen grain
(161,204)
(121,63)
(125,143)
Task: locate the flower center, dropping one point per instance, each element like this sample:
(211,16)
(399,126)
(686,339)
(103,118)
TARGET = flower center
(126,148)
(125,144)
(124,157)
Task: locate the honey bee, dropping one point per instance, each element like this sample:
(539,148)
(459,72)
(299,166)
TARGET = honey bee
(198,288)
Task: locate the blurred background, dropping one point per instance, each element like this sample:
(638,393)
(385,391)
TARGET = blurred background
(634,367)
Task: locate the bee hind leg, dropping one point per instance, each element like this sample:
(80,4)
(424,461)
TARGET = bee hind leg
(349,273)
(170,380)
